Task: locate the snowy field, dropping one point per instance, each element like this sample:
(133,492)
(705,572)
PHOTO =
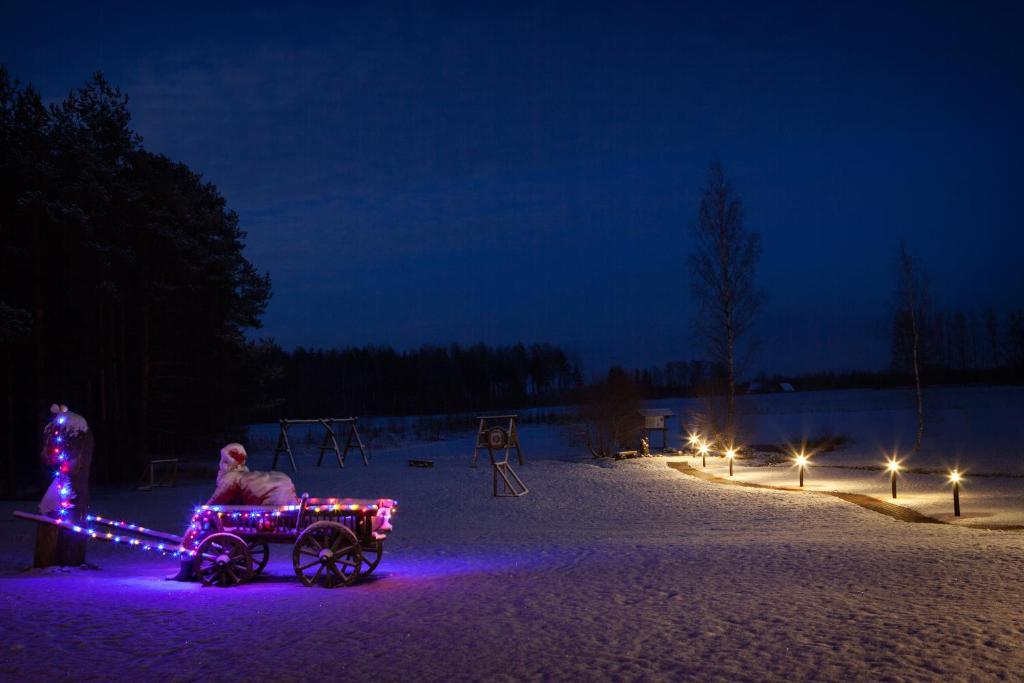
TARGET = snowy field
(625,570)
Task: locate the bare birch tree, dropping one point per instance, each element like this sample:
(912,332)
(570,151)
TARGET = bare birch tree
(910,298)
(722,268)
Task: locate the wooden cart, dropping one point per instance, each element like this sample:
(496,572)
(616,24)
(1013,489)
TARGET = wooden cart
(334,540)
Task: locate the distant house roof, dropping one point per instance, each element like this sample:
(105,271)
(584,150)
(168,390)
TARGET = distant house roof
(756,387)
(655,412)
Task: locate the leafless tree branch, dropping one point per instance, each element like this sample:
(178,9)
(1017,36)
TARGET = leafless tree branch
(723,266)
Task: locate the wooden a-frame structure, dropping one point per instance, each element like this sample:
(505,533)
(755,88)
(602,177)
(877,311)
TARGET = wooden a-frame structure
(501,440)
(329,443)
(484,430)
(511,484)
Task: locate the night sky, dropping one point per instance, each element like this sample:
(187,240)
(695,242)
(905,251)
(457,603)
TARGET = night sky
(432,173)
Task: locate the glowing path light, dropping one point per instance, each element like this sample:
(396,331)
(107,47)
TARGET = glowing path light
(893,466)
(801,461)
(954,479)
(730,455)
(704,448)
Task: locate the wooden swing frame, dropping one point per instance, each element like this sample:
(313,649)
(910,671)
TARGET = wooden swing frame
(329,442)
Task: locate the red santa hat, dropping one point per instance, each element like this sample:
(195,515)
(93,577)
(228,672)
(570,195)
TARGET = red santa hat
(233,454)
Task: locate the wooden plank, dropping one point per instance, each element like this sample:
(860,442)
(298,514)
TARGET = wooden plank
(54,545)
(142,531)
(151,533)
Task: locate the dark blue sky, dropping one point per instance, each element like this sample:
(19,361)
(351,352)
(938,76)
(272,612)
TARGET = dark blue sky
(418,172)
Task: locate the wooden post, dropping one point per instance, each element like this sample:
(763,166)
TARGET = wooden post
(283,446)
(894,484)
(359,442)
(348,445)
(513,438)
(956,499)
(330,442)
(60,547)
(11,469)
(481,429)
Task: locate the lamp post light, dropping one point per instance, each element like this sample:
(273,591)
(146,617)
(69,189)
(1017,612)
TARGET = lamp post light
(801,463)
(954,478)
(694,440)
(703,453)
(730,455)
(893,465)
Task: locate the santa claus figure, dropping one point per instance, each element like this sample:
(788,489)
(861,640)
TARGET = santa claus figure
(236,485)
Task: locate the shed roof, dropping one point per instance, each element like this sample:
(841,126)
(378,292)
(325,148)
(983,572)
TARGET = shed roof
(655,412)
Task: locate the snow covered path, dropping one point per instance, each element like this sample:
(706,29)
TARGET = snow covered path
(627,570)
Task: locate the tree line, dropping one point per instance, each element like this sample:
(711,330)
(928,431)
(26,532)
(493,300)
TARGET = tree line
(678,378)
(960,341)
(932,347)
(376,380)
(124,292)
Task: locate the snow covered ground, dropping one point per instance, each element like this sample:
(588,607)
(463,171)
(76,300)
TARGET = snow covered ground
(984,501)
(625,570)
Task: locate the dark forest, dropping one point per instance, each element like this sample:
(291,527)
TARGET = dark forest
(124,288)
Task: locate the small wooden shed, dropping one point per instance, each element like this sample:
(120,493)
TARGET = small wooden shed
(653,420)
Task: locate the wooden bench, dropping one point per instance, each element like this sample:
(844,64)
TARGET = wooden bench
(170,478)
(421,463)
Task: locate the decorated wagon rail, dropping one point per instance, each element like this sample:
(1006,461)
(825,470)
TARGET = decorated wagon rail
(335,541)
(120,532)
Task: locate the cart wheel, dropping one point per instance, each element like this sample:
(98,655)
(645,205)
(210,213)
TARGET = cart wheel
(328,553)
(223,560)
(260,556)
(372,552)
